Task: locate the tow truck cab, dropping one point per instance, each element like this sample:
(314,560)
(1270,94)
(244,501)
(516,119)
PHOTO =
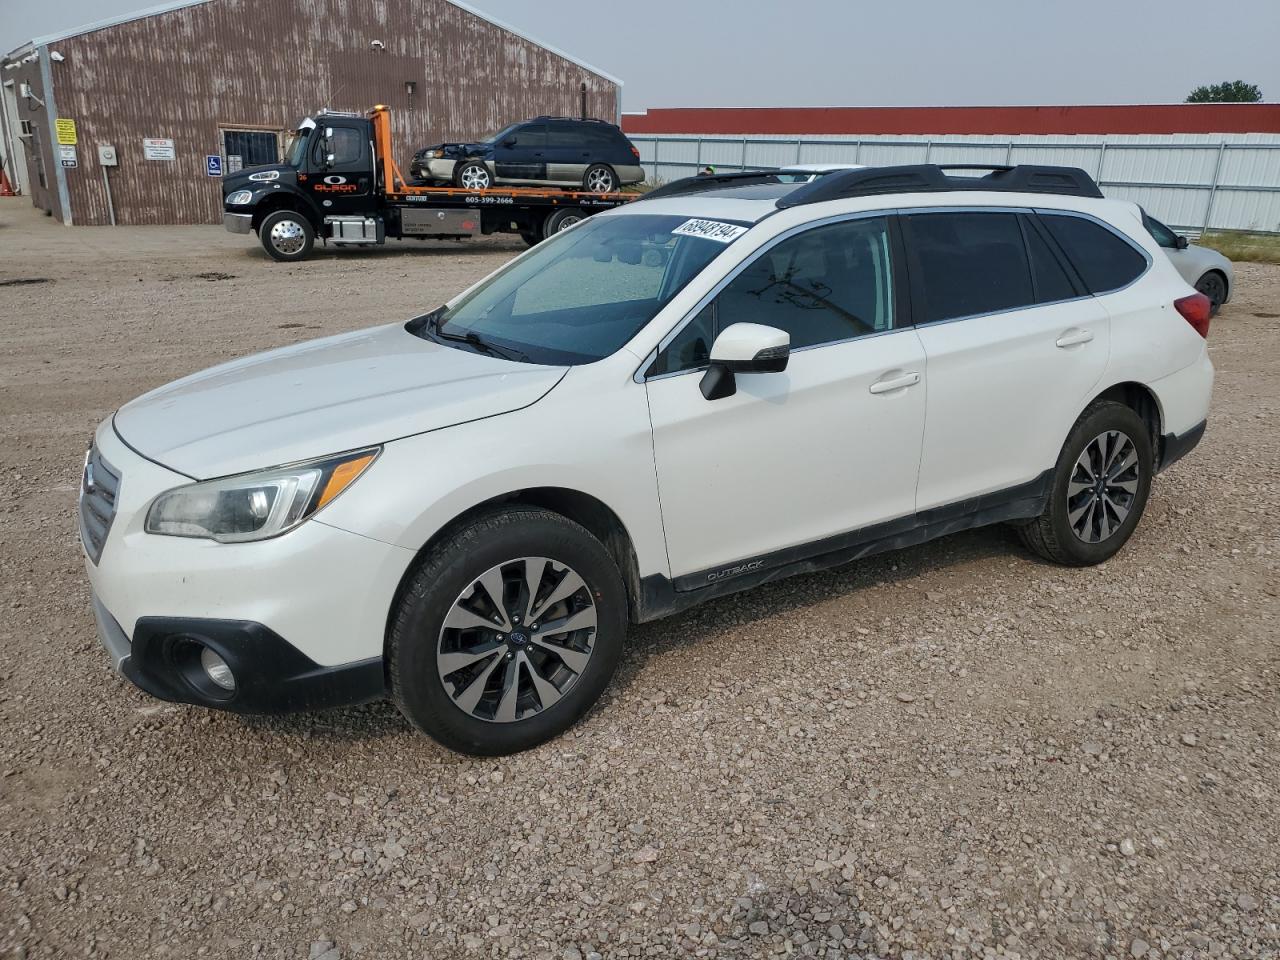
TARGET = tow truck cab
(338,182)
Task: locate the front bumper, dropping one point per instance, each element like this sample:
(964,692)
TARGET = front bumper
(441,169)
(238,222)
(300,618)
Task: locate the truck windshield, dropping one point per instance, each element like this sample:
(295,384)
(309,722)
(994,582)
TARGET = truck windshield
(295,148)
(581,295)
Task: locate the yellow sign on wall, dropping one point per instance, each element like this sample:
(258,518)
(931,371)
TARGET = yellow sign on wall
(66,131)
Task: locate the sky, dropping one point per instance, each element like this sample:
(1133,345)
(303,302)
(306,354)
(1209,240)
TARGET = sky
(681,53)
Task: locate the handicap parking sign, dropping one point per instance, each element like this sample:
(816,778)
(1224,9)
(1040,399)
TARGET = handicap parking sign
(213,166)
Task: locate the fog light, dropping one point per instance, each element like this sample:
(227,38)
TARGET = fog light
(216,669)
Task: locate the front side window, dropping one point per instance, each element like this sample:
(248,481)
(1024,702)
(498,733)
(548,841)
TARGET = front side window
(581,295)
(1104,261)
(1162,234)
(345,143)
(966,264)
(532,136)
(825,285)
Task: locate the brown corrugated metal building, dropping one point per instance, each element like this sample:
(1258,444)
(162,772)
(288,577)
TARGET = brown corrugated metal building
(228,78)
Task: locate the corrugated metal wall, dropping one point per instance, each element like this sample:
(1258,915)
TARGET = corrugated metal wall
(187,73)
(39,144)
(1190,181)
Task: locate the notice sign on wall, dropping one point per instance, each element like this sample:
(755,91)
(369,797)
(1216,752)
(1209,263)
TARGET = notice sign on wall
(67,155)
(66,131)
(158,148)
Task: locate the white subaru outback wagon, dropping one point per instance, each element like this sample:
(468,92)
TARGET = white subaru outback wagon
(733,380)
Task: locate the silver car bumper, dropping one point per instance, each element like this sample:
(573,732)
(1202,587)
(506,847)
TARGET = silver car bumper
(238,222)
(112,636)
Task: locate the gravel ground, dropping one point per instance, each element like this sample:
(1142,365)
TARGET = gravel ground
(952,751)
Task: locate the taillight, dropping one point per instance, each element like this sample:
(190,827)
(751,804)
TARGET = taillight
(634,152)
(1195,309)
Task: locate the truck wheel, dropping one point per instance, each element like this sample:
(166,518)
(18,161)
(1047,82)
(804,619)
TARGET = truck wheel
(532,239)
(286,236)
(472,175)
(561,219)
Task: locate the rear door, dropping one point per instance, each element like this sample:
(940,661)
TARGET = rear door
(1014,347)
(568,152)
(521,157)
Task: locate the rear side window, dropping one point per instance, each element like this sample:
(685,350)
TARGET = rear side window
(566,135)
(965,264)
(1051,281)
(1104,261)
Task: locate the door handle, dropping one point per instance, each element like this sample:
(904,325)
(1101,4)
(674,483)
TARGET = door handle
(1073,338)
(888,384)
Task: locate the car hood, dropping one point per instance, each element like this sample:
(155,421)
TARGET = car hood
(240,180)
(456,149)
(322,397)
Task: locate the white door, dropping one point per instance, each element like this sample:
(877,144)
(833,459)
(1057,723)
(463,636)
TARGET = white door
(1013,351)
(829,446)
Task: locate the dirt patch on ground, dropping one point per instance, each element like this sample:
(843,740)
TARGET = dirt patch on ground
(952,751)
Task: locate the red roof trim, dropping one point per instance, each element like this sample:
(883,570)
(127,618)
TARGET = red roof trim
(1149,119)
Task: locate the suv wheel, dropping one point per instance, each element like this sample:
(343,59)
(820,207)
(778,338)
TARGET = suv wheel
(286,235)
(473,175)
(600,178)
(1100,488)
(1213,286)
(508,632)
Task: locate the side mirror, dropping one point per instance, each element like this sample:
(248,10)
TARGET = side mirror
(1180,242)
(744,348)
(509,142)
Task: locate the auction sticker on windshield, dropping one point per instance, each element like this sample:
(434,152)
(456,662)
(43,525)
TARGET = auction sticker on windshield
(710,230)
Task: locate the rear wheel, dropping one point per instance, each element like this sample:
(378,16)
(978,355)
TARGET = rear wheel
(1100,488)
(286,235)
(599,178)
(532,239)
(473,175)
(1213,286)
(561,219)
(508,633)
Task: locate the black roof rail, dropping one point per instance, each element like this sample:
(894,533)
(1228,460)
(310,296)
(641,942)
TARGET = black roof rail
(700,184)
(933,178)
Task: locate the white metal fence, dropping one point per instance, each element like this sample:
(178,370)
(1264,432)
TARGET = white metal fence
(1192,182)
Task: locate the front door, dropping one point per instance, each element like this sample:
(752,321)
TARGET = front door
(521,157)
(828,447)
(340,168)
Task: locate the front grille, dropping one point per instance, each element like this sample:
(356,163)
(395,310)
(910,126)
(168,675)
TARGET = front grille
(99,488)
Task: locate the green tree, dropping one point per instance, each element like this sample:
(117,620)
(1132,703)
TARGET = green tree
(1233,91)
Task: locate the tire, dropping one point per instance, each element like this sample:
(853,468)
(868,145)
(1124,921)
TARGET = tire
(532,239)
(436,635)
(599,178)
(561,219)
(1067,532)
(472,175)
(287,236)
(1214,286)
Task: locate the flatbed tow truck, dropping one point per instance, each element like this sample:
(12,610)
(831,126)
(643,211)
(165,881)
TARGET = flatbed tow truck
(340,184)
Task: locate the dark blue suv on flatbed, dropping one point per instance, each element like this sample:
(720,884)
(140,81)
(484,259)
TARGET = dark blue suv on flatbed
(545,151)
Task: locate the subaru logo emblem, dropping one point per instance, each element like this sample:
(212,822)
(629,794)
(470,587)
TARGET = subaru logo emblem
(519,639)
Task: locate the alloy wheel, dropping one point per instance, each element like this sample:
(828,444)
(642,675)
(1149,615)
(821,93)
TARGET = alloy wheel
(600,181)
(517,639)
(1103,486)
(1212,286)
(288,237)
(475,177)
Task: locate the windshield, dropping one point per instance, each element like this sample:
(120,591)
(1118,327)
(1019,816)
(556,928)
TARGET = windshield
(295,147)
(580,296)
(497,135)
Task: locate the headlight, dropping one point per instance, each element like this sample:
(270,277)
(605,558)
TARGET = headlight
(240,196)
(255,506)
(265,175)
(435,154)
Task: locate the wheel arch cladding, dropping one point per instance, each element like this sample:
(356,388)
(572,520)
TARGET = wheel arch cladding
(1142,401)
(583,509)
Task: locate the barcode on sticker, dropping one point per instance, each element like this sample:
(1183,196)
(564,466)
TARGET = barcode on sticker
(710,230)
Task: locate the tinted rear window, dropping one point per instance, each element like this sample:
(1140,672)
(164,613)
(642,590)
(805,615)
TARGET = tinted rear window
(1104,261)
(1052,282)
(964,264)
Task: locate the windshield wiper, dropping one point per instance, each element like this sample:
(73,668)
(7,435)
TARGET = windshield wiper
(473,339)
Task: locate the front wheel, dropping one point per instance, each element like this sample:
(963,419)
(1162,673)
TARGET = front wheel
(1213,286)
(287,236)
(508,633)
(1100,488)
(473,175)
